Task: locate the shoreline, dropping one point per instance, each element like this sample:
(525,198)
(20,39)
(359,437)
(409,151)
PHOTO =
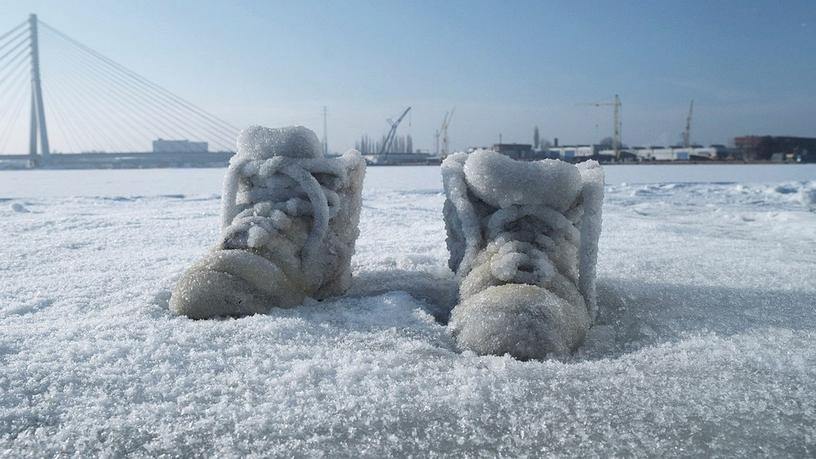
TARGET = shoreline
(216,166)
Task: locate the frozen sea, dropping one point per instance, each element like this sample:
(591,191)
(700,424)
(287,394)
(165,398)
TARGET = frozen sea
(706,343)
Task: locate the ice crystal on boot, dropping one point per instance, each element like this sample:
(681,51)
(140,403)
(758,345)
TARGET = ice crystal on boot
(523,241)
(289,221)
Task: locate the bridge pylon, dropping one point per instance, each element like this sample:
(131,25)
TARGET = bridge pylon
(39,130)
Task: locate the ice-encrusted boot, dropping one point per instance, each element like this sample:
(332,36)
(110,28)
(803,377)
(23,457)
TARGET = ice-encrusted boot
(523,242)
(289,222)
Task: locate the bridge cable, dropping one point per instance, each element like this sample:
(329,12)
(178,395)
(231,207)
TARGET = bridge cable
(87,139)
(13,80)
(89,122)
(15,67)
(19,53)
(61,125)
(125,110)
(161,108)
(173,110)
(9,128)
(214,121)
(13,90)
(140,99)
(121,103)
(167,95)
(114,116)
(13,29)
(23,33)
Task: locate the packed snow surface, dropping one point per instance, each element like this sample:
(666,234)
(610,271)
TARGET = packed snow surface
(705,343)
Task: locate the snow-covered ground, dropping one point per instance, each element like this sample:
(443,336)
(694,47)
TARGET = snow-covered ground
(707,341)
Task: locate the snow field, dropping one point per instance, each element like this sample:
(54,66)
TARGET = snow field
(706,343)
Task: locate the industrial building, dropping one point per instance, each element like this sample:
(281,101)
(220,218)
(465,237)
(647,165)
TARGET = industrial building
(767,147)
(675,153)
(394,159)
(575,152)
(602,153)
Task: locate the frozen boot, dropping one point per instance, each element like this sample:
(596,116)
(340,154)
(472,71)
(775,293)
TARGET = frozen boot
(289,221)
(523,242)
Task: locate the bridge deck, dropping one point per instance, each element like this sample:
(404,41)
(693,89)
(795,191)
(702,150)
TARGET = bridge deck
(127,159)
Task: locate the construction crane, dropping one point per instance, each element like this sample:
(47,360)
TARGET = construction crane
(687,132)
(393,132)
(616,120)
(443,131)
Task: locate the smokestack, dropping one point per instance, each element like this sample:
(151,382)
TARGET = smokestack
(555,142)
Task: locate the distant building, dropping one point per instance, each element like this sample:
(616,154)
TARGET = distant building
(754,147)
(179,146)
(602,153)
(575,152)
(660,153)
(395,159)
(723,152)
(676,153)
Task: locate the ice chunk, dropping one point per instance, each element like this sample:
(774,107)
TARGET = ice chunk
(19,208)
(523,241)
(289,221)
(592,178)
(258,142)
(807,195)
(499,181)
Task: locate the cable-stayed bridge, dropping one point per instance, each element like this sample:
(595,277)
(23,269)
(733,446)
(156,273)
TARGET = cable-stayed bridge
(63,104)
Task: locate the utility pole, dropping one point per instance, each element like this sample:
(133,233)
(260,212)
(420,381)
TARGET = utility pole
(37,108)
(325,133)
(687,132)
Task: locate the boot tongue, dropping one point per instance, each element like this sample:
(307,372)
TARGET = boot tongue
(258,142)
(502,182)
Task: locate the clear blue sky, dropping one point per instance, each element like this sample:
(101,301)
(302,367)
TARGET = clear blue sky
(507,66)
